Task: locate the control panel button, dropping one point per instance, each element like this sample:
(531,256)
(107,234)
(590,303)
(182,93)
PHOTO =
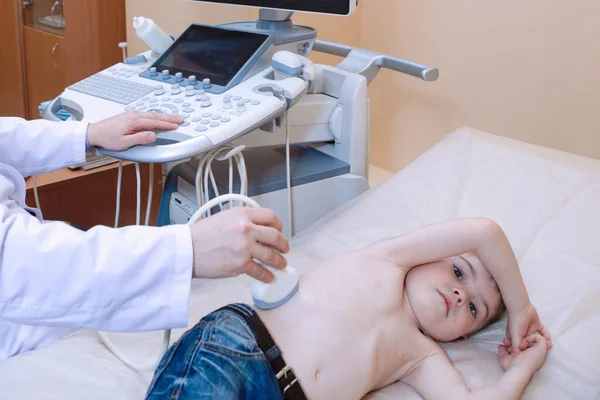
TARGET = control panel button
(205,101)
(184,124)
(237,98)
(214,124)
(206,83)
(192,79)
(175,88)
(178,77)
(241,107)
(215,117)
(178,101)
(226,119)
(201,128)
(153,71)
(166,74)
(255,102)
(186,104)
(190,91)
(188,110)
(227,103)
(206,115)
(196,119)
(205,122)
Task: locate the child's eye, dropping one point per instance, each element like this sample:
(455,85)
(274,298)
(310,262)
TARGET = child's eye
(458,273)
(472,308)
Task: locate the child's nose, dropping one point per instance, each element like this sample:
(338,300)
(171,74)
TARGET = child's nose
(459,295)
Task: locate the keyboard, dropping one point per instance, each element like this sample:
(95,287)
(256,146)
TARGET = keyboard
(93,161)
(112,89)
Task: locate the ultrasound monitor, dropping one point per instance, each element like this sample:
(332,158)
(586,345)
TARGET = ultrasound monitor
(335,7)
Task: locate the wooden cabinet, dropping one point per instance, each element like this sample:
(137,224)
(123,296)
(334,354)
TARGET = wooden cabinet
(12,82)
(44,67)
(39,60)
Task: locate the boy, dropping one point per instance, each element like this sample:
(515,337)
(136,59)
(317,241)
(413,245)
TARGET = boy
(365,319)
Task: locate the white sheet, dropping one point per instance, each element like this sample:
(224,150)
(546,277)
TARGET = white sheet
(548,203)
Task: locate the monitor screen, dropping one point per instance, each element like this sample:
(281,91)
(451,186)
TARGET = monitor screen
(210,52)
(340,7)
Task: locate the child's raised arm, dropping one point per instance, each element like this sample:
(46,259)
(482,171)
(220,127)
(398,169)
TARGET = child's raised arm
(486,239)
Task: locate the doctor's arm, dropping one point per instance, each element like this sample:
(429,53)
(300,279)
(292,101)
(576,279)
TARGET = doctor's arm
(39,146)
(129,279)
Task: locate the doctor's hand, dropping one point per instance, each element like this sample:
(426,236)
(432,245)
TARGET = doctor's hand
(130,129)
(226,244)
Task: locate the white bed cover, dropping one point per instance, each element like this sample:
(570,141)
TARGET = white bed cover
(547,201)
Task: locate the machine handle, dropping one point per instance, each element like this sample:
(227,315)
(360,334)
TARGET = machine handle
(368,63)
(51,110)
(53,52)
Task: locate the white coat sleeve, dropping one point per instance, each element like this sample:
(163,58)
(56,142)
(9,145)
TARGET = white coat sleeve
(39,146)
(130,279)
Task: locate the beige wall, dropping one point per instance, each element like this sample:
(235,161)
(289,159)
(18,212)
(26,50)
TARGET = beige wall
(526,70)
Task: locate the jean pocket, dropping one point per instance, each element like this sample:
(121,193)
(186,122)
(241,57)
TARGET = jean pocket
(230,336)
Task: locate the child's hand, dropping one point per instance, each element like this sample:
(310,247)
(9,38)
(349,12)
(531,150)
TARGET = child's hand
(533,356)
(522,324)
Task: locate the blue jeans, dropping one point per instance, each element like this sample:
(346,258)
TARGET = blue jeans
(219,358)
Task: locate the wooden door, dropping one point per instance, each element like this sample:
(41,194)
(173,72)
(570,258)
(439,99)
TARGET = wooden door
(93,32)
(44,67)
(12,102)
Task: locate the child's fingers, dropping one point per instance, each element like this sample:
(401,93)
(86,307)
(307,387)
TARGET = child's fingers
(507,342)
(503,351)
(546,333)
(524,344)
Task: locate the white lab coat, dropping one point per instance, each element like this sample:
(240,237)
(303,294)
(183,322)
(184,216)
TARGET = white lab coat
(55,278)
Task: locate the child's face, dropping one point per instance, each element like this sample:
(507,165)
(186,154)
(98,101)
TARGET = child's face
(452,298)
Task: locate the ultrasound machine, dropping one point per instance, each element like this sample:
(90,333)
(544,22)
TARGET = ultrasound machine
(248,92)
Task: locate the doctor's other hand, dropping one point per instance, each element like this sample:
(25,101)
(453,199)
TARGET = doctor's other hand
(227,243)
(130,129)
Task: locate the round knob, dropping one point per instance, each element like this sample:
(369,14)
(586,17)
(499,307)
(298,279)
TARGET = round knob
(206,83)
(227,103)
(166,74)
(200,92)
(205,101)
(199,96)
(159,91)
(241,107)
(192,79)
(153,71)
(189,91)
(175,88)
(178,77)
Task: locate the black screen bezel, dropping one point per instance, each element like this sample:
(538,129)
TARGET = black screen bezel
(342,7)
(197,27)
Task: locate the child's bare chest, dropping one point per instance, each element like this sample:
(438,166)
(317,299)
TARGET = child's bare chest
(347,328)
